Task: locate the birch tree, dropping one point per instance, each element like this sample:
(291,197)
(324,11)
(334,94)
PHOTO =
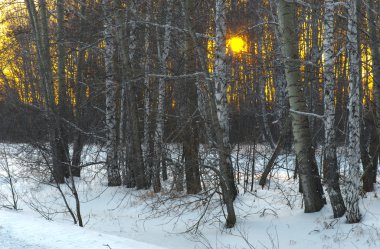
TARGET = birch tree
(221,83)
(333,188)
(352,197)
(113,173)
(127,173)
(308,170)
(148,102)
(225,171)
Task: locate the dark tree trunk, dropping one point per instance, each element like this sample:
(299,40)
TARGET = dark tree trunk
(369,156)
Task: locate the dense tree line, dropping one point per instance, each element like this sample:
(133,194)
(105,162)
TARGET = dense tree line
(138,76)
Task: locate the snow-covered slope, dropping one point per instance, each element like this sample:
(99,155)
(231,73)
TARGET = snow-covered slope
(19,231)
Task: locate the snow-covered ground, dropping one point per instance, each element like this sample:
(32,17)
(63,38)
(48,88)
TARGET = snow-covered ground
(9,242)
(124,218)
(22,231)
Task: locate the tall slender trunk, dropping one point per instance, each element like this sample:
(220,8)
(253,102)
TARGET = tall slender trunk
(352,198)
(63,107)
(114,178)
(123,130)
(311,71)
(308,170)
(369,177)
(134,156)
(138,161)
(333,188)
(148,105)
(276,153)
(40,28)
(262,102)
(220,76)
(80,95)
(190,113)
(124,151)
(163,53)
(282,102)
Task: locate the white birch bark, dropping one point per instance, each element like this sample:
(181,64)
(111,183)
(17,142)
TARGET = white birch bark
(333,188)
(308,171)
(220,73)
(122,131)
(221,84)
(352,197)
(112,167)
(127,174)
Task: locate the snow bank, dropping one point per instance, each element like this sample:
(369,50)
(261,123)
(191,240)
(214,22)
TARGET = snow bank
(35,233)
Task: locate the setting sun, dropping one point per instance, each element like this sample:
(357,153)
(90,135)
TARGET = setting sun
(237,44)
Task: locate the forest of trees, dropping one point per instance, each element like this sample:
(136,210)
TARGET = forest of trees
(136,76)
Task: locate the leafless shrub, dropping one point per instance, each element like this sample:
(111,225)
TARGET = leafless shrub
(10,197)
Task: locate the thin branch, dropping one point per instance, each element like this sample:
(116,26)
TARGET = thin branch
(310,114)
(261,24)
(182,30)
(176,77)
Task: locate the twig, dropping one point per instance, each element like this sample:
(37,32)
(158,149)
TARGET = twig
(310,114)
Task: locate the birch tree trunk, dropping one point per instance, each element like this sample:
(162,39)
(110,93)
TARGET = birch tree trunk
(228,193)
(333,188)
(352,198)
(125,150)
(149,125)
(281,99)
(113,173)
(308,170)
(221,84)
